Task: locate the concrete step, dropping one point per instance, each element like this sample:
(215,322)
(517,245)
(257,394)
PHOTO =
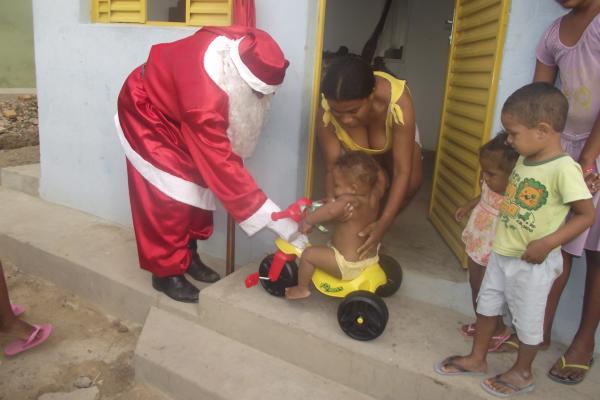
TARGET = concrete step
(98,261)
(82,253)
(420,278)
(306,333)
(190,362)
(23,178)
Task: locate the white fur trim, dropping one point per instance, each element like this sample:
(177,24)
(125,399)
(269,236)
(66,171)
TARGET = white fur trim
(252,80)
(262,218)
(213,57)
(173,186)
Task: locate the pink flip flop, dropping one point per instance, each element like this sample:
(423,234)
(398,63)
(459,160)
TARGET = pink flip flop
(39,336)
(498,341)
(17,309)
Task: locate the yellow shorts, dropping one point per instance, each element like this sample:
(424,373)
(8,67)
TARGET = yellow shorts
(352,269)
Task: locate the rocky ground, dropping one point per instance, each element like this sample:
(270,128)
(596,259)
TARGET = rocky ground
(19,139)
(89,355)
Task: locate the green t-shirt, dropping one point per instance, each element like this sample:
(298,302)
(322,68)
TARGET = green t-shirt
(537,201)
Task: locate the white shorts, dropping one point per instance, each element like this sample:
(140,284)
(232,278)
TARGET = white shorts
(524,287)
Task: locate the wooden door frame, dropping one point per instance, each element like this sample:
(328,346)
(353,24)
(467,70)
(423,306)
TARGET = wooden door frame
(315,97)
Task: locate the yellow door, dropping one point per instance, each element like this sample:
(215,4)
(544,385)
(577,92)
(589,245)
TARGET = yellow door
(471,82)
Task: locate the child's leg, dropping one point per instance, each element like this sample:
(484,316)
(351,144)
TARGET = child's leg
(490,305)
(312,257)
(554,298)
(476,274)
(9,323)
(517,378)
(582,348)
(476,360)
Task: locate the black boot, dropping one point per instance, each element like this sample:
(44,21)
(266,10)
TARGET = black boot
(197,269)
(176,287)
(200,272)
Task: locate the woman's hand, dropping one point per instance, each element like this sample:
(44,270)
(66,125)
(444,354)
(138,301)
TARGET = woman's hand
(592,178)
(373,232)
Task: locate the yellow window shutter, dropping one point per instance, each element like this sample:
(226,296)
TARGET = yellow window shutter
(101,10)
(471,85)
(132,11)
(208,12)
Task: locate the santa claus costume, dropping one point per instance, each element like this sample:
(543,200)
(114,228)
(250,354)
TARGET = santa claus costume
(186,119)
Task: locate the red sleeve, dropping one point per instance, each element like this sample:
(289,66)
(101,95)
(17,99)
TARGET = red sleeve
(223,171)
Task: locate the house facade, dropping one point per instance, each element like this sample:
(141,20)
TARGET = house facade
(81,65)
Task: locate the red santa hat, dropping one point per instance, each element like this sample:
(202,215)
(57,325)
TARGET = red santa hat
(259,61)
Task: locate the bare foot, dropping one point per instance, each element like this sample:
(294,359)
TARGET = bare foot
(297,292)
(17,328)
(461,364)
(510,383)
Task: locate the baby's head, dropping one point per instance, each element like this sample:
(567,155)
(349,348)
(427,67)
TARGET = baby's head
(497,159)
(534,116)
(354,173)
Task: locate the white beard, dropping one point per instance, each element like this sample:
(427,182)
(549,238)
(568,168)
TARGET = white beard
(247,112)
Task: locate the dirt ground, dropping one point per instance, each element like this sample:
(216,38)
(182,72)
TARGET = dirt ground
(86,344)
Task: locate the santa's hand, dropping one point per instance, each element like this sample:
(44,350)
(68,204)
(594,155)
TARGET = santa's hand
(284,228)
(300,241)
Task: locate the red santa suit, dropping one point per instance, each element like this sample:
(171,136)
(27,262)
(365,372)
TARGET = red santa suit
(173,121)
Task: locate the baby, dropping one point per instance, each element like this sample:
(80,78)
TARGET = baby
(355,206)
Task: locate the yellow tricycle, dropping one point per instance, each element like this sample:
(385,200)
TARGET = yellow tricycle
(362,314)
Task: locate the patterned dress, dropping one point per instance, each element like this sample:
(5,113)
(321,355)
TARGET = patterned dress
(479,233)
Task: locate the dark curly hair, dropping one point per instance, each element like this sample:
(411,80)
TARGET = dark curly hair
(360,167)
(498,145)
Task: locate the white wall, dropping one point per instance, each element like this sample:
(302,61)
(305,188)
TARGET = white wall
(424,63)
(528,20)
(350,23)
(80,69)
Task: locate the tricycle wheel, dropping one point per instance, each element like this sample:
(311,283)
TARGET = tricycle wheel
(362,315)
(393,272)
(287,278)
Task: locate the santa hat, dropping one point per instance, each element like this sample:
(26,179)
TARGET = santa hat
(259,61)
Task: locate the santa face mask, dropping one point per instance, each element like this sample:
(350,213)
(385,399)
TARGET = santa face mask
(247,110)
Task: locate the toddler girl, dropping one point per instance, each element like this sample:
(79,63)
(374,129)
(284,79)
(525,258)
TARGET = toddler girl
(497,160)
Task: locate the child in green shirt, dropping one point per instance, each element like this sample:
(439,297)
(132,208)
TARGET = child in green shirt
(545,184)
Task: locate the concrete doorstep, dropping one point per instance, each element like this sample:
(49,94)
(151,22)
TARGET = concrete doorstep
(242,343)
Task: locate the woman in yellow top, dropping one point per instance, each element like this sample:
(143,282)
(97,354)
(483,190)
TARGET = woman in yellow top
(371,112)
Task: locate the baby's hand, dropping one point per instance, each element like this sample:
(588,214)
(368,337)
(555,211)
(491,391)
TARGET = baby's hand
(461,213)
(304,227)
(536,252)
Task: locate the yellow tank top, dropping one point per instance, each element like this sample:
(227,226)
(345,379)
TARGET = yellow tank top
(394,115)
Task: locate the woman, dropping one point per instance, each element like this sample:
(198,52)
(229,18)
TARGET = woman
(371,112)
(570,48)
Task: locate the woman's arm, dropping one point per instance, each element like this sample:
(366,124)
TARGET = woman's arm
(403,150)
(545,73)
(591,149)
(331,149)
